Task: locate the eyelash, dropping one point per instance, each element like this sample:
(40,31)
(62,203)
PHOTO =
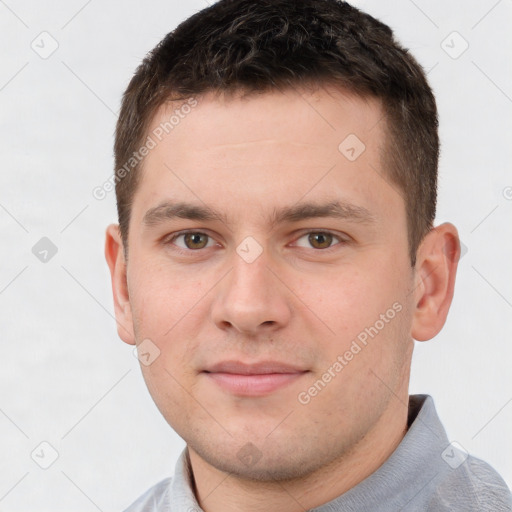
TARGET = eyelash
(169,240)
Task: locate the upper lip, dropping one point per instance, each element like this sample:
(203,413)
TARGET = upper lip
(259,368)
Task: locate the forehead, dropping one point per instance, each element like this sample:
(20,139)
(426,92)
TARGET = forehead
(264,150)
(240,117)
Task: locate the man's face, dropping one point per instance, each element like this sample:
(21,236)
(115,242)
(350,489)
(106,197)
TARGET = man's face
(258,286)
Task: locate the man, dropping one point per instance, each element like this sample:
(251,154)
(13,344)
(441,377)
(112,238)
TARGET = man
(276,173)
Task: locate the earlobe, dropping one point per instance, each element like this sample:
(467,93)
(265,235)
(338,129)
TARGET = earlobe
(114,255)
(436,267)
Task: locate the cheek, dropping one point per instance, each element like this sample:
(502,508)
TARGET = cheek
(166,387)
(165,311)
(161,298)
(170,309)
(363,304)
(347,297)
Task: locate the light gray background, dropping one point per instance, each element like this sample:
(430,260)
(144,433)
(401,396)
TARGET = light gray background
(66,378)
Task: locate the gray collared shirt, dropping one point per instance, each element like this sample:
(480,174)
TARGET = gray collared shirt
(425,473)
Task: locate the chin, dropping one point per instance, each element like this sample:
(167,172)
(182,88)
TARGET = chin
(268,464)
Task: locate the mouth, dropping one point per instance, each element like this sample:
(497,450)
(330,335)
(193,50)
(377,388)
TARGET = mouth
(257,379)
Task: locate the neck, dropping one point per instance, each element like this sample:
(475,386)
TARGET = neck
(217,491)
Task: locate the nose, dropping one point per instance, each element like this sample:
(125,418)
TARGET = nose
(251,299)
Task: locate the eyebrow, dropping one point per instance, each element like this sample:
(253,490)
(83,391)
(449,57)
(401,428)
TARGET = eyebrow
(170,210)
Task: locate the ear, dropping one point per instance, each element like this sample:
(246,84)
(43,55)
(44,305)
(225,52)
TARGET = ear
(114,255)
(436,266)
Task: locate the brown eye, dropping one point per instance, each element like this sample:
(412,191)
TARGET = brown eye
(320,240)
(186,243)
(195,240)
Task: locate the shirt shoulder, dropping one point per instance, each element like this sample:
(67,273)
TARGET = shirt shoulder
(474,486)
(155,499)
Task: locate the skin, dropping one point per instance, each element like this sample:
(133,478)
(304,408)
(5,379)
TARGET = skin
(298,302)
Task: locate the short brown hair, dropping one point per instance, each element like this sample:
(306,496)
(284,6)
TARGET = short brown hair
(260,45)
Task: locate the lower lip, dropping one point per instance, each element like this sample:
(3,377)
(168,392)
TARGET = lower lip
(253,385)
